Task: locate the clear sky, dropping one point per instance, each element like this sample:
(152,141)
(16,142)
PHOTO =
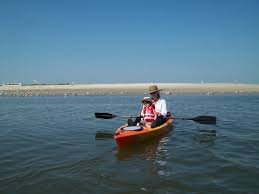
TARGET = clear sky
(120,41)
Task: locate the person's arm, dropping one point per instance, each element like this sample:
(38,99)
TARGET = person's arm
(163,108)
(142,112)
(154,110)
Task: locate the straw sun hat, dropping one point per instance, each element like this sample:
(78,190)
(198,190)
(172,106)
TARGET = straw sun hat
(153,89)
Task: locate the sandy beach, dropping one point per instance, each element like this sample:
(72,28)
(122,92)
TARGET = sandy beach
(128,89)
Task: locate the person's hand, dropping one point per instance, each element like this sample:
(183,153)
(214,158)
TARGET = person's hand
(158,114)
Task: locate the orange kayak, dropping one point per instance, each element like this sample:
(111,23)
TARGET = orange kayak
(123,136)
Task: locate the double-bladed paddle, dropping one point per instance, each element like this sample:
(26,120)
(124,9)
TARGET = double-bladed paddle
(206,120)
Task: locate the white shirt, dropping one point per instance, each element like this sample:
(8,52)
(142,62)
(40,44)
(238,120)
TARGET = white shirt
(160,106)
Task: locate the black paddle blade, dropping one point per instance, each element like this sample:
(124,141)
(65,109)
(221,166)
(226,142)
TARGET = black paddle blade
(102,115)
(207,120)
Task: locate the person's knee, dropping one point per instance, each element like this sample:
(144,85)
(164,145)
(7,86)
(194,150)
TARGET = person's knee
(153,124)
(137,120)
(130,122)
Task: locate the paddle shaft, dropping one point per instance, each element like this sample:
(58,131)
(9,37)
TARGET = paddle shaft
(180,118)
(208,120)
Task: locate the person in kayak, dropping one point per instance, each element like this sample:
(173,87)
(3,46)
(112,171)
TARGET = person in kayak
(148,112)
(160,108)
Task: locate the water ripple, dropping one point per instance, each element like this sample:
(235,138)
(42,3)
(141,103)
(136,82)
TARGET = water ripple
(48,145)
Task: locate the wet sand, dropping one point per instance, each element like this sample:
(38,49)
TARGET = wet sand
(128,89)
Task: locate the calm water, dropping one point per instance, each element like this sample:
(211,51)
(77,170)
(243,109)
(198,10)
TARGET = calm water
(48,145)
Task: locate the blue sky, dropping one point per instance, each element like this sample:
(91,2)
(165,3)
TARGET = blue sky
(120,41)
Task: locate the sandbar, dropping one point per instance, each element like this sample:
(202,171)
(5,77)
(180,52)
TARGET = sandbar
(128,89)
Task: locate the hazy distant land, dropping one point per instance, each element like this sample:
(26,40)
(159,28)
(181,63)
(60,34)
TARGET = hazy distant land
(128,89)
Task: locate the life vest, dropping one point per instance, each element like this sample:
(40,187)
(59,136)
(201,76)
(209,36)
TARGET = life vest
(149,113)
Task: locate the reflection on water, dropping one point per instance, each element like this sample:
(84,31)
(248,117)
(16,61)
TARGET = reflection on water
(154,151)
(207,136)
(50,145)
(146,150)
(103,135)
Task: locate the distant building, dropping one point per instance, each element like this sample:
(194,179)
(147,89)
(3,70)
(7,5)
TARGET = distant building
(35,82)
(12,84)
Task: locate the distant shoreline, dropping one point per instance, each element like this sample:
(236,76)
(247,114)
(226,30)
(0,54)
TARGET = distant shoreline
(128,89)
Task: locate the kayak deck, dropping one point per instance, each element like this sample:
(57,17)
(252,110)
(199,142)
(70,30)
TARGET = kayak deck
(124,137)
